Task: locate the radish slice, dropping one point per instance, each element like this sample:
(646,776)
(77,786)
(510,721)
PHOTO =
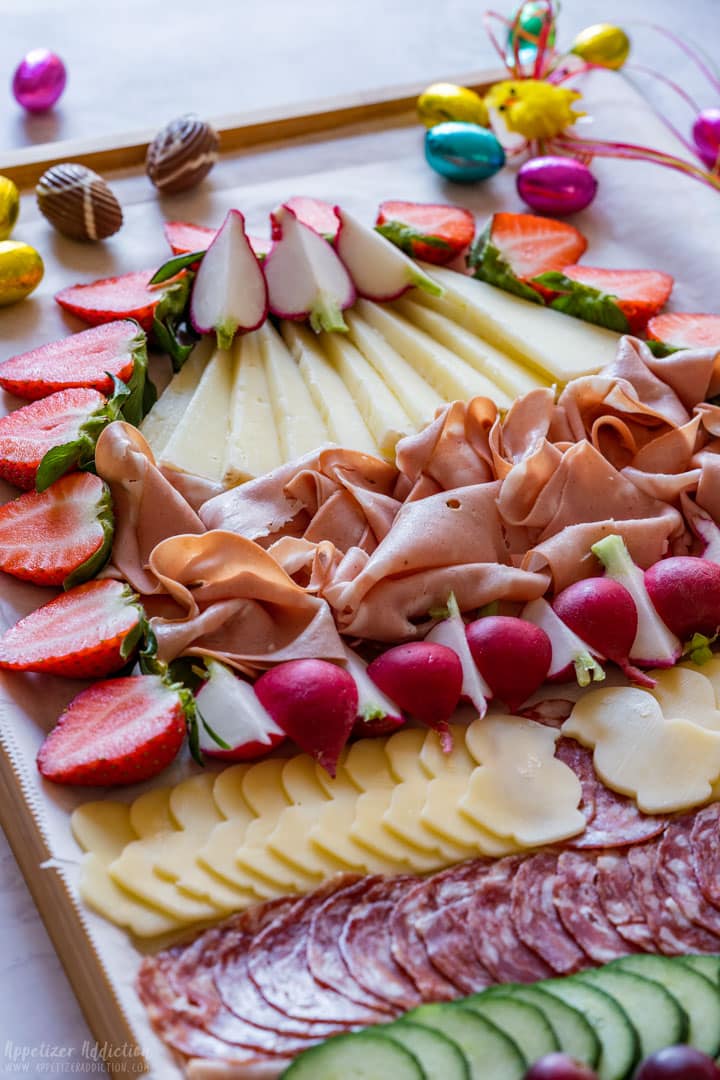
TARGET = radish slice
(229,293)
(568,650)
(451,633)
(654,644)
(229,707)
(378,268)
(305,277)
(376,712)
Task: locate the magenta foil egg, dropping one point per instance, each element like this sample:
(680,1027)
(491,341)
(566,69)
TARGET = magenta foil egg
(706,136)
(557,186)
(39,80)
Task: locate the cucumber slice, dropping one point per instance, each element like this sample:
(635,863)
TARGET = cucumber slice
(362,1055)
(439,1056)
(573,1032)
(695,993)
(489,1052)
(654,1013)
(709,966)
(619,1043)
(524,1023)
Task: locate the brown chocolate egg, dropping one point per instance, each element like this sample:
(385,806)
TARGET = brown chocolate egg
(182,154)
(78,203)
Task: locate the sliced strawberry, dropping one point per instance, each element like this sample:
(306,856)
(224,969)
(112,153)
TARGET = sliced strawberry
(85,633)
(126,297)
(432,231)
(515,248)
(185,238)
(685,330)
(622,300)
(316,213)
(119,731)
(27,434)
(60,536)
(80,360)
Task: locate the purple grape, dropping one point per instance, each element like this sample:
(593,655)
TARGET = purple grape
(560,1067)
(678,1063)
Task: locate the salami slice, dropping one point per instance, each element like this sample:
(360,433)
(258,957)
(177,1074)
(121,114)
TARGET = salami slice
(676,876)
(492,930)
(617,821)
(705,852)
(408,947)
(450,949)
(366,945)
(578,905)
(579,759)
(619,902)
(673,933)
(535,918)
(324,958)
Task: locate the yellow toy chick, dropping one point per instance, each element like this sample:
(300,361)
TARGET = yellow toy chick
(532,108)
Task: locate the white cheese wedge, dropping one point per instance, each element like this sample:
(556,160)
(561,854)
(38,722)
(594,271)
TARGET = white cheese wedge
(450,376)
(200,437)
(329,393)
(299,424)
(385,417)
(253,447)
(558,345)
(420,400)
(514,378)
(167,412)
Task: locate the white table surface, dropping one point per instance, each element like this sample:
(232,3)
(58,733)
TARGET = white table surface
(232,55)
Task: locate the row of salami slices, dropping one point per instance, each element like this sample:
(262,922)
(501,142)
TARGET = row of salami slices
(264,985)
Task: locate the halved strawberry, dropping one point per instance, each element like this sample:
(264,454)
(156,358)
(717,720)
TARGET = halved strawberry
(60,536)
(621,300)
(126,297)
(85,633)
(316,213)
(119,731)
(685,330)
(515,248)
(432,231)
(185,238)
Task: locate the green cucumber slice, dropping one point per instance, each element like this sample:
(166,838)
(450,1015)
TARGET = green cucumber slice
(619,1043)
(524,1023)
(439,1056)
(654,1013)
(489,1052)
(695,993)
(709,966)
(362,1055)
(574,1034)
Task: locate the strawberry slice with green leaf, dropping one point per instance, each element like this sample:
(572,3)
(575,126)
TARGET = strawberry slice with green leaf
(621,300)
(514,249)
(186,239)
(683,330)
(87,632)
(61,536)
(434,232)
(118,731)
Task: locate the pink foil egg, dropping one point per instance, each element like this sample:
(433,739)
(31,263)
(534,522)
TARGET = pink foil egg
(706,136)
(556,185)
(39,80)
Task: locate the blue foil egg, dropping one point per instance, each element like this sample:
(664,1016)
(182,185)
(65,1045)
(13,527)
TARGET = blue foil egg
(463,152)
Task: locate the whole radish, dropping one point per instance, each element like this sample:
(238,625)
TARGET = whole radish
(315,703)
(513,656)
(425,680)
(685,592)
(602,612)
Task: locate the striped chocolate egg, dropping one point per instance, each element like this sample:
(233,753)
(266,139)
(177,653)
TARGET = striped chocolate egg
(182,154)
(78,203)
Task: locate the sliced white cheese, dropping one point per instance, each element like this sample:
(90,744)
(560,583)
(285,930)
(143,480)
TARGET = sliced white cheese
(199,440)
(167,412)
(329,393)
(687,692)
(299,424)
(253,447)
(450,376)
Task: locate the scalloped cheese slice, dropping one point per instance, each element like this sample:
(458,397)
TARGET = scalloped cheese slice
(519,788)
(198,442)
(299,424)
(665,763)
(709,671)
(253,447)
(688,693)
(167,412)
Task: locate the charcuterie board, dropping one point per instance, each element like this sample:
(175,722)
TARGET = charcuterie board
(359,153)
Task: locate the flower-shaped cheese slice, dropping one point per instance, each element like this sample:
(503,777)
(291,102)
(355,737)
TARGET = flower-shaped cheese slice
(665,763)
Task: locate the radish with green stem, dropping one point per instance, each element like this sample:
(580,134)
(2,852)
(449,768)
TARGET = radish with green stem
(654,645)
(685,592)
(571,657)
(305,277)
(379,270)
(425,679)
(376,713)
(229,710)
(229,292)
(451,632)
(512,655)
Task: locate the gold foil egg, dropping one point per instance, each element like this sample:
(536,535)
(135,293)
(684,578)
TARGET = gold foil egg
(9,206)
(446,101)
(602,44)
(21,271)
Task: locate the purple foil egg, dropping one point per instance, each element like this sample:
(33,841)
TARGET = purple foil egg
(556,185)
(706,136)
(39,80)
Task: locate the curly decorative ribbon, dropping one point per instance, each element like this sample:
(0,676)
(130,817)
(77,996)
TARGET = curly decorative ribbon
(573,144)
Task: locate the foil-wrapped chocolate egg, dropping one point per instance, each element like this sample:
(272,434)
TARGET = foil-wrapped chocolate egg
(463,152)
(182,154)
(602,44)
(446,101)
(526,30)
(21,271)
(78,202)
(557,186)
(9,206)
